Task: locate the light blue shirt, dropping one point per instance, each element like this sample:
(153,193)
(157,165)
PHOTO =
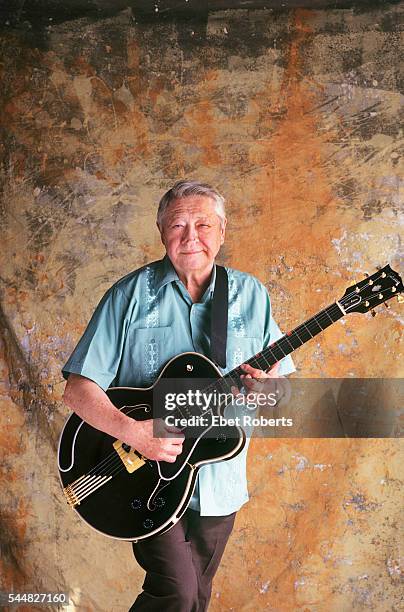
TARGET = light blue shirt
(148,317)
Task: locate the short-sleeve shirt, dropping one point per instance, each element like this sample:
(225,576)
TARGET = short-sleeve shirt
(146,318)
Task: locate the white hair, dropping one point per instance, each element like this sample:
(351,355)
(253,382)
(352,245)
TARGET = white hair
(187,188)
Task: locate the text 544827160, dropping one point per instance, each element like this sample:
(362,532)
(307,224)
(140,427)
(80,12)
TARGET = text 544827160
(45,598)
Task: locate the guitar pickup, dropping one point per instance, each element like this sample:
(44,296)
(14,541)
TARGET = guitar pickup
(130,458)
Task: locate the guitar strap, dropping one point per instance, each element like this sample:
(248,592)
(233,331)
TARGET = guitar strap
(218,327)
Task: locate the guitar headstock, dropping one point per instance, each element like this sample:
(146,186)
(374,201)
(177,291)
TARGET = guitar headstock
(373,290)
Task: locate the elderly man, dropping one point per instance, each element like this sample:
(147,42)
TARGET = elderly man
(142,321)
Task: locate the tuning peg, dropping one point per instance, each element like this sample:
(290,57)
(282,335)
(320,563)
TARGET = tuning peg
(400,299)
(373,313)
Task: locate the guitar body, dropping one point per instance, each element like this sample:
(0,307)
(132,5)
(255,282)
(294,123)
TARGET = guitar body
(151,499)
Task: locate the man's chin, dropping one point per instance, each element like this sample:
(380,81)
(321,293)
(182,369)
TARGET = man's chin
(200,255)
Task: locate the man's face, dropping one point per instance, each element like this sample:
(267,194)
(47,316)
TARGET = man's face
(192,233)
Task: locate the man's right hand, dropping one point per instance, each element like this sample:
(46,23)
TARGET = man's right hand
(166,447)
(93,405)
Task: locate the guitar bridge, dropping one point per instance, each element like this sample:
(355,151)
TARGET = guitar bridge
(130,458)
(71,496)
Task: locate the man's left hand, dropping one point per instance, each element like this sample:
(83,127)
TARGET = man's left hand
(257,381)
(254,378)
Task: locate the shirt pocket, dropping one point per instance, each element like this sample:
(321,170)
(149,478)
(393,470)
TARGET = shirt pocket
(148,350)
(240,349)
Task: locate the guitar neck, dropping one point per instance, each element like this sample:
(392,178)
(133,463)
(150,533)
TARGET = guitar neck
(290,341)
(362,297)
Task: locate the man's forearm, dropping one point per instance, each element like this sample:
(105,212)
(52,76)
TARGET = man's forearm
(93,405)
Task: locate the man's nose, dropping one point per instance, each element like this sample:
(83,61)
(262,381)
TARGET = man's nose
(190,232)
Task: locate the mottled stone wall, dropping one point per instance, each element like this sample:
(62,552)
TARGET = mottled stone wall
(295,117)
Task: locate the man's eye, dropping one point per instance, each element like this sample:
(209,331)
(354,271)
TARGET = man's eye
(204,225)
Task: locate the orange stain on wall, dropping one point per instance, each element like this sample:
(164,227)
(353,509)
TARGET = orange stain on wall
(284,189)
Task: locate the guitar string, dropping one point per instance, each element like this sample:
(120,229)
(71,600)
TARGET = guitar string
(265,352)
(94,486)
(81,484)
(327,315)
(88,485)
(77,488)
(308,326)
(237,370)
(333,308)
(323,316)
(106,463)
(91,487)
(102,464)
(80,495)
(119,467)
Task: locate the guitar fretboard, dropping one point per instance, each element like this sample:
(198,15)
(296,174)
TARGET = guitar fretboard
(285,345)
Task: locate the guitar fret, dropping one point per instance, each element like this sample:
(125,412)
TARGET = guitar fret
(234,376)
(303,334)
(287,339)
(276,352)
(307,326)
(267,364)
(254,362)
(259,361)
(295,341)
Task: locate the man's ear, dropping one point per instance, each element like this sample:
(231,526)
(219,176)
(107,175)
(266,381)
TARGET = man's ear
(161,233)
(223,230)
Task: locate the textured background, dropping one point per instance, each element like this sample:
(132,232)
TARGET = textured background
(294,116)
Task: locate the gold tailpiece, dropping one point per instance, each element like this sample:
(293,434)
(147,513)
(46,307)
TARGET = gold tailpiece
(71,497)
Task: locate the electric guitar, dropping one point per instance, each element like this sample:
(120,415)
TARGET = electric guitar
(127,496)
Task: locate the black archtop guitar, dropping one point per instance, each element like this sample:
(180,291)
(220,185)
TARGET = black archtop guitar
(126,496)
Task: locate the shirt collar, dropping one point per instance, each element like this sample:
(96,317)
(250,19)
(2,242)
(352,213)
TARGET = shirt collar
(166,273)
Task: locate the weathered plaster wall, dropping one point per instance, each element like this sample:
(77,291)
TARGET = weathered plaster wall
(295,117)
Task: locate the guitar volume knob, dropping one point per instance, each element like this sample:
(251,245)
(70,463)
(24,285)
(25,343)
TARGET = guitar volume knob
(136,503)
(159,502)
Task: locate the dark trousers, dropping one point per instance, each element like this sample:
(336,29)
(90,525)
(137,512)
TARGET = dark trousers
(181,563)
